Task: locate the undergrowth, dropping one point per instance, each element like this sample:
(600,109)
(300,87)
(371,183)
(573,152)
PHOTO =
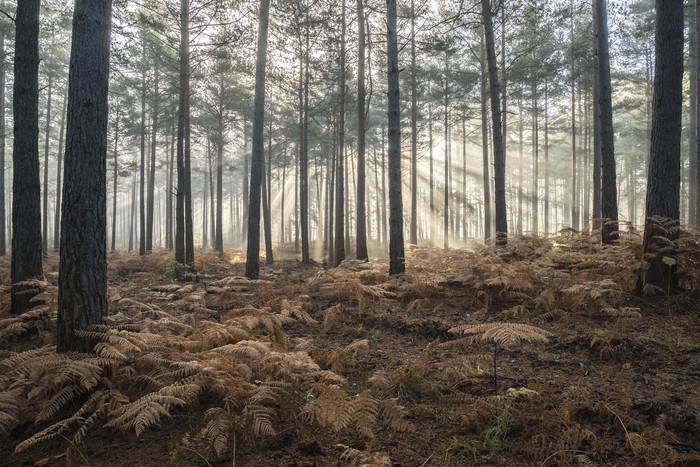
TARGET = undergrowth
(262,359)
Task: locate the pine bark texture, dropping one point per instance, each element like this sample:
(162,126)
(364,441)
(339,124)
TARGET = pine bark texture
(396,246)
(361,230)
(252,265)
(82,290)
(183,109)
(3,227)
(663,193)
(26,187)
(339,255)
(413,231)
(597,157)
(499,162)
(607,147)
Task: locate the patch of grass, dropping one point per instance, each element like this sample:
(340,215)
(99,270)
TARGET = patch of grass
(370,333)
(443,414)
(408,382)
(178,272)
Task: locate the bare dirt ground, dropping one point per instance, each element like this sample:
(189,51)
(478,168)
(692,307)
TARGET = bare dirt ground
(313,366)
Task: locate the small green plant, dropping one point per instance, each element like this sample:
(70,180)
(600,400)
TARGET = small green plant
(408,381)
(366,332)
(495,431)
(308,398)
(462,444)
(445,413)
(178,272)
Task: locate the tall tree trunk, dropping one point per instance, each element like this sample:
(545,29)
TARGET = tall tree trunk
(574,168)
(219,228)
(282,189)
(183,109)
(499,165)
(535,166)
(413,235)
(361,236)
(45,213)
(446,213)
(252,265)
(397,263)
(169,242)
(546,157)
(607,148)
(304,159)
(485,144)
(82,284)
(115,177)
(696,207)
(3,227)
(246,189)
(431,215)
(132,216)
(142,165)
(521,162)
(59,168)
(150,202)
(339,255)
(662,211)
(692,137)
(266,205)
(26,186)
(384,218)
(597,156)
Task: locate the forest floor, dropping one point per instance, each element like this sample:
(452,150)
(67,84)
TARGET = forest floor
(318,366)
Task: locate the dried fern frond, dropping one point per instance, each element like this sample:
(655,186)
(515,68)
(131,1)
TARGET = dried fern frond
(503,334)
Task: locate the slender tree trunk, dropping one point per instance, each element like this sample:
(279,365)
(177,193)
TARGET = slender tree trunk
(692,128)
(361,237)
(339,255)
(266,206)
(45,213)
(304,159)
(433,234)
(246,178)
(3,227)
(142,165)
(169,242)
(82,287)
(597,156)
(574,186)
(413,235)
(219,228)
(152,172)
(535,166)
(485,144)
(397,263)
(446,212)
(499,165)
(26,186)
(546,158)
(282,188)
(115,176)
(662,211)
(607,148)
(252,265)
(181,131)
(132,216)
(384,218)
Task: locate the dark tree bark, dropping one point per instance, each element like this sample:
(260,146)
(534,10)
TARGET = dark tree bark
(47,138)
(607,148)
(304,155)
(3,227)
(431,214)
(696,207)
(115,175)
(361,230)
(597,156)
(150,197)
(142,165)
(246,189)
(692,128)
(82,288)
(339,255)
(26,186)
(59,168)
(413,231)
(169,242)
(397,263)
(662,211)
(499,165)
(446,194)
(574,168)
(546,157)
(485,145)
(219,228)
(182,117)
(252,265)
(267,221)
